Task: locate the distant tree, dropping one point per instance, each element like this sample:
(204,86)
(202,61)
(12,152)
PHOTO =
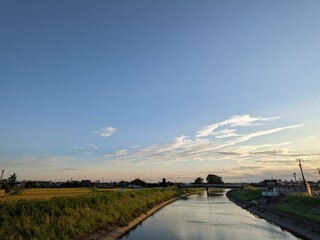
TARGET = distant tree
(170,184)
(12,179)
(5,185)
(198,180)
(123,184)
(214,179)
(138,182)
(164,182)
(30,184)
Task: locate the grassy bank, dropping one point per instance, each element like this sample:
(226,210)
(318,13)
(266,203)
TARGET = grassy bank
(70,217)
(245,194)
(302,206)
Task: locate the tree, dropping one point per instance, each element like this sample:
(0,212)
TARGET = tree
(5,185)
(214,179)
(138,182)
(12,179)
(123,184)
(198,180)
(164,182)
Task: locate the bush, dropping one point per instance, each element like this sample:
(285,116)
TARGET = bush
(6,187)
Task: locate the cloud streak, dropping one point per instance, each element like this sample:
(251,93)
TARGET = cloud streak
(200,149)
(244,120)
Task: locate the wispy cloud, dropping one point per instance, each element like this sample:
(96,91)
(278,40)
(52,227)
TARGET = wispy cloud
(121,152)
(106,132)
(92,146)
(229,147)
(247,137)
(226,133)
(77,147)
(234,121)
(39,161)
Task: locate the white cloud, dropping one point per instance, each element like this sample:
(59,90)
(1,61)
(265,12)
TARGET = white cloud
(121,152)
(247,137)
(106,132)
(186,149)
(234,121)
(226,133)
(207,130)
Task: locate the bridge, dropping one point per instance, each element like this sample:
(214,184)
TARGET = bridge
(204,185)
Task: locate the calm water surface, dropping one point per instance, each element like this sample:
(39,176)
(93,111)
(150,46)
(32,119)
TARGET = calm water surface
(206,217)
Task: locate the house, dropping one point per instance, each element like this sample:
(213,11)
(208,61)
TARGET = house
(282,189)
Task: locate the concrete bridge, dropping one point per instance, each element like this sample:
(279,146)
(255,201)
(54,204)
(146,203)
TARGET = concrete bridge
(204,185)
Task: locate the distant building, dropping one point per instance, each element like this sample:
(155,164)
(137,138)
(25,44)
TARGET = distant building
(279,190)
(85,183)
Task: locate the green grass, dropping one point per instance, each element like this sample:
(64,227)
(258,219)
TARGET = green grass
(301,206)
(294,204)
(245,194)
(71,217)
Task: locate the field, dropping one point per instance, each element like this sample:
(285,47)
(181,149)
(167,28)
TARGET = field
(79,213)
(43,194)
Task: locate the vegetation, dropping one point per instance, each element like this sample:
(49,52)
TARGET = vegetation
(198,180)
(138,182)
(71,217)
(43,194)
(214,179)
(6,184)
(301,206)
(12,179)
(245,194)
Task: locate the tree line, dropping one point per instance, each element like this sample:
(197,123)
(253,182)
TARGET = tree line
(211,179)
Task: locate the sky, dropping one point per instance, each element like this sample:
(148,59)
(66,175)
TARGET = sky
(115,90)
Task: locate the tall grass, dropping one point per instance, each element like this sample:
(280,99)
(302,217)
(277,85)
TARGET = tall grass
(71,217)
(302,206)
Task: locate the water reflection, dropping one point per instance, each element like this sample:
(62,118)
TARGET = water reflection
(207,216)
(211,192)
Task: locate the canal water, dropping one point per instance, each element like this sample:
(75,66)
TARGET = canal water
(205,217)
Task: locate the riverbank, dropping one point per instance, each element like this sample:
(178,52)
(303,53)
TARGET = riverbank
(118,232)
(74,217)
(299,227)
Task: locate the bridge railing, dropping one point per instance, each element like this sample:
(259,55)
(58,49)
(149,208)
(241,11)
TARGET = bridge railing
(211,185)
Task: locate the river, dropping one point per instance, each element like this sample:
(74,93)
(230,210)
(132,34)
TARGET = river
(206,217)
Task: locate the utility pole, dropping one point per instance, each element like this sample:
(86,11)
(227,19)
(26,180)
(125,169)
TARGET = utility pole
(304,180)
(295,177)
(2,174)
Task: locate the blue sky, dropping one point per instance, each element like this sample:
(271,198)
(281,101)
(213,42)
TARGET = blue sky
(88,88)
